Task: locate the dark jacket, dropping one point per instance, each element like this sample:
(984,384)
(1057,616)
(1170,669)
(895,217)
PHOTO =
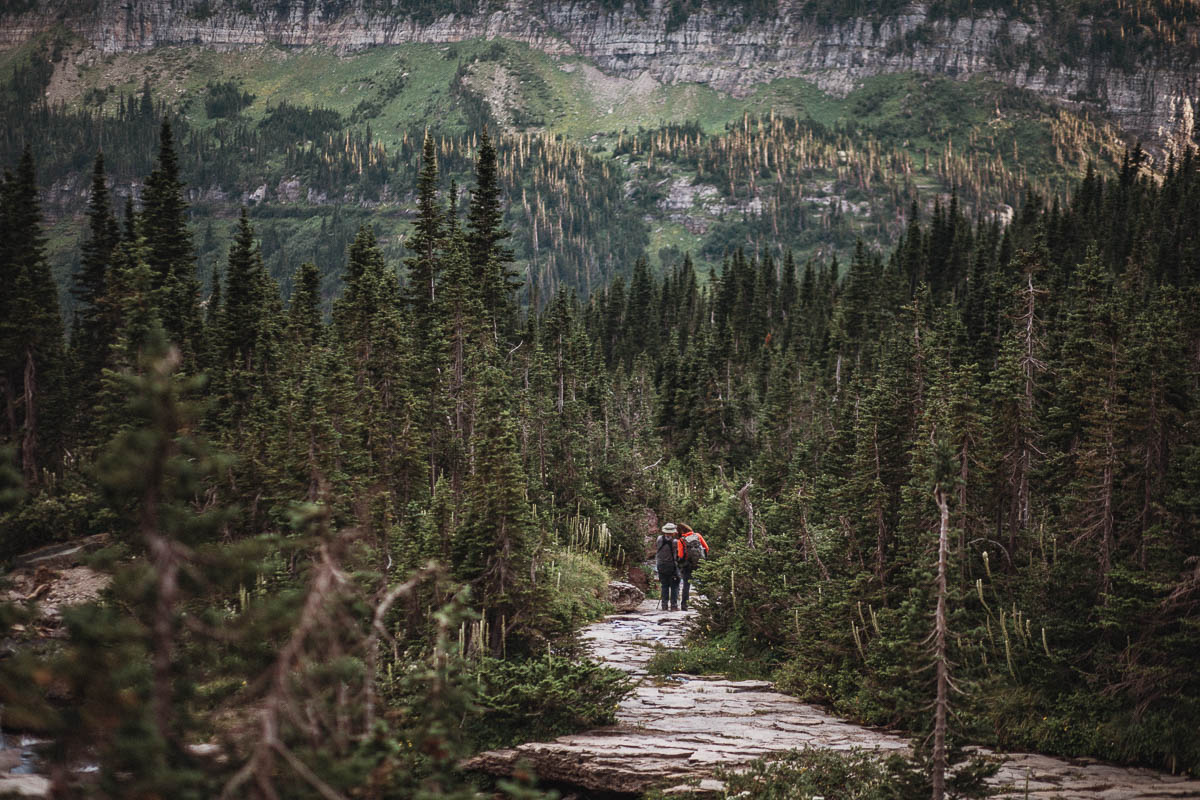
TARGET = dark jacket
(667,551)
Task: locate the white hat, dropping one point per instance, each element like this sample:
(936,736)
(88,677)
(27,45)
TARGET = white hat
(669,528)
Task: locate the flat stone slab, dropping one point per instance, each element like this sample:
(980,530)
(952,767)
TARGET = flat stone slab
(673,732)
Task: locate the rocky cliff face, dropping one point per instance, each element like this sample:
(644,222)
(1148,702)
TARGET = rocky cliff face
(714,46)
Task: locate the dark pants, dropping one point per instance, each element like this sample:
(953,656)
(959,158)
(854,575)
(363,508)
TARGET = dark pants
(685,574)
(670,588)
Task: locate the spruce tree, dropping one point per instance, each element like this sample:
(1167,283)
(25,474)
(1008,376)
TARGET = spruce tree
(131,296)
(641,313)
(304,313)
(246,300)
(94,319)
(460,323)
(1089,413)
(492,550)
(425,243)
(32,358)
(169,252)
(489,256)
(368,326)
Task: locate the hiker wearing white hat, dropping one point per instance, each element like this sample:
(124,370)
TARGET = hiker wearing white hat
(667,555)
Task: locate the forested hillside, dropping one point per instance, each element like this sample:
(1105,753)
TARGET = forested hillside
(398,513)
(338,546)
(1030,392)
(344,378)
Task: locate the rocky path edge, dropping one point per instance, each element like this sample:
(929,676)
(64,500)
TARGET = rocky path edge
(672,733)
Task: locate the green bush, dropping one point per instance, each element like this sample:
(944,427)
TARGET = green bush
(577,593)
(541,698)
(724,655)
(854,775)
(804,774)
(44,519)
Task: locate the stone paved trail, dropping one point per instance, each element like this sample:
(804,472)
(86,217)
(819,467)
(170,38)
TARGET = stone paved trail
(674,730)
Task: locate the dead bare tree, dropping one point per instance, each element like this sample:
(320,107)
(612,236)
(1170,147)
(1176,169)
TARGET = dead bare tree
(809,547)
(743,496)
(942,701)
(325,629)
(326,586)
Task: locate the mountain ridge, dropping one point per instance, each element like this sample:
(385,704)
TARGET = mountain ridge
(716,45)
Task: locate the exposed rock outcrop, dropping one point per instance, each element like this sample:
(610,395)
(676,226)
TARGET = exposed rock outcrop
(625,596)
(715,45)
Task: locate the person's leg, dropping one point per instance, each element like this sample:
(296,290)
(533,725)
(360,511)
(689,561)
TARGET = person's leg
(686,576)
(664,583)
(675,594)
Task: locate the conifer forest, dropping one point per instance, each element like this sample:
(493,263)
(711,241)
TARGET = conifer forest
(343,392)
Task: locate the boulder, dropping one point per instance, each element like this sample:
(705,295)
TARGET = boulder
(61,556)
(625,597)
(24,786)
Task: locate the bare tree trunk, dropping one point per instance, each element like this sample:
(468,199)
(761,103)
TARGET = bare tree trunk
(748,507)
(166,566)
(809,547)
(939,649)
(1030,366)
(964,473)
(166,559)
(29,440)
(881,531)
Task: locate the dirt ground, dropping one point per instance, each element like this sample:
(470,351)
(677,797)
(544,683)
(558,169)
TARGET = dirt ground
(55,578)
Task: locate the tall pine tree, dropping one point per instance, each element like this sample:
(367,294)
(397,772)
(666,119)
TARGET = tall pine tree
(169,251)
(32,359)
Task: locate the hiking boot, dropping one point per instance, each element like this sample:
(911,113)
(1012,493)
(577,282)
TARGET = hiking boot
(683,606)
(674,607)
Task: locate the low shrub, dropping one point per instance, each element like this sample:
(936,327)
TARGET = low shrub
(542,698)
(43,519)
(723,655)
(809,773)
(577,592)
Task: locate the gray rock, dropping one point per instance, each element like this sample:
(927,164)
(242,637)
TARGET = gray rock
(625,597)
(716,45)
(24,786)
(60,556)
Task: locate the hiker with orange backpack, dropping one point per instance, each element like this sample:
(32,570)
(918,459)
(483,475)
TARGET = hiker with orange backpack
(691,551)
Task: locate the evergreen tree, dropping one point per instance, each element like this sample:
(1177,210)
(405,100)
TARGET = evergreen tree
(304,313)
(169,253)
(461,323)
(368,327)
(425,243)
(489,256)
(94,319)
(131,297)
(492,549)
(425,311)
(1090,406)
(32,359)
(246,302)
